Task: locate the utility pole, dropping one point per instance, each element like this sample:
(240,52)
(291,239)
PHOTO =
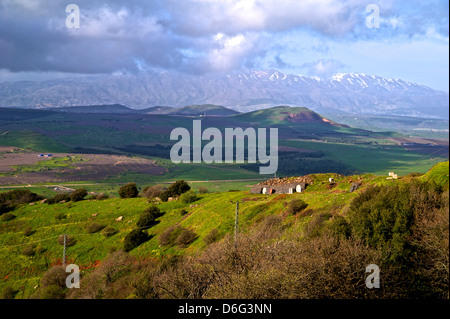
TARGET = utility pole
(236,221)
(64,250)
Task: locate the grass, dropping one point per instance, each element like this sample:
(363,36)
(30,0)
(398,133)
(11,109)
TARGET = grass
(31,140)
(211,211)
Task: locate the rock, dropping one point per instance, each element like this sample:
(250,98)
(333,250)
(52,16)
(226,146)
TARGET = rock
(43,201)
(119,219)
(93,215)
(31,204)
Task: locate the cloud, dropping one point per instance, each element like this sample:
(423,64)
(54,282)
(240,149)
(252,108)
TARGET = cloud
(323,68)
(195,36)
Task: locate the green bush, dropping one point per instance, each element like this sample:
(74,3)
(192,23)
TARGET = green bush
(78,195)
(5,208)
(295,206)
(128,191)
(189,197)
(60,216)
(185,238)
(8,293)
(7,217)
(134,238)
(382,217)
(148,217)
(183,212)
(177,235)
(212,237)
(29,250)
(28,231)
(63,197)
(94,227)
(176,189)
(19,196)
(70,240)
(202,190)
(109,231)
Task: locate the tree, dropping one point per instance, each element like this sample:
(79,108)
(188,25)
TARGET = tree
(134,238)
(148,217)
(128,191)
(78,195)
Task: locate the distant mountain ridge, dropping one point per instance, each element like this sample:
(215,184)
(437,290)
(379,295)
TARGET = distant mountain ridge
(241,91)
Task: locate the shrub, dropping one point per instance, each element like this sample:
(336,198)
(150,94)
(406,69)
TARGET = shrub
(109,231)
(128,191)
(63,197)
(102,196)
(8,293)
(60,216)
(28,231)
(212,237)
(7,217)
(29,250)
(183,212)
(185,238)
(152,191)
(176,189)
(316,224)
(295,206)
(202,190)
(169,236)
(134,238)
(52,292)
(189,197)
(4,208)
(78,195)
(177,235)
(55,276)
(94,228)
(340,227)
(19,196)
(70,240)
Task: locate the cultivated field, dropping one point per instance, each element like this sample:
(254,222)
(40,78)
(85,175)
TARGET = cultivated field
(22,167)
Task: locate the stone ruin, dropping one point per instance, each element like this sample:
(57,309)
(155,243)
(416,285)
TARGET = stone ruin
(285,185)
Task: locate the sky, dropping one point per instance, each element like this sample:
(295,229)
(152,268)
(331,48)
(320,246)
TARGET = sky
(308,37)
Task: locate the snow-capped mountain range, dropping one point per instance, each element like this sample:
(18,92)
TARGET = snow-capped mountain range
(243,91)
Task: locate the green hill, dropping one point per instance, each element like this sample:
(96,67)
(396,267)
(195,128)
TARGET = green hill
(205,109)
(29,242)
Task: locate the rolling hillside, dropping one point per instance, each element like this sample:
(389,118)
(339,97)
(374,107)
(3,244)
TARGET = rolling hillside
(37,227)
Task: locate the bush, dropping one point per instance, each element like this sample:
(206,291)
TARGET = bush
(109,231)
(189,197)
(94,228)
(7,217)
(146,220)
(152,191)
(340,227)
(55,276)
(177,235)
(63,197)
(212,237)
(102,196)
(8,293)
(295,206)
(60,216)
(134,238)
(176,189)
(28,231)
(202,190)
(183,212)
(29,250)
(19,196)
(70,240)
(185,238)
(128,191)
(4,208)
(78,195)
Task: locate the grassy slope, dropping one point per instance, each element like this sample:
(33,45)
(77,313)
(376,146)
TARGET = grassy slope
(213,210)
